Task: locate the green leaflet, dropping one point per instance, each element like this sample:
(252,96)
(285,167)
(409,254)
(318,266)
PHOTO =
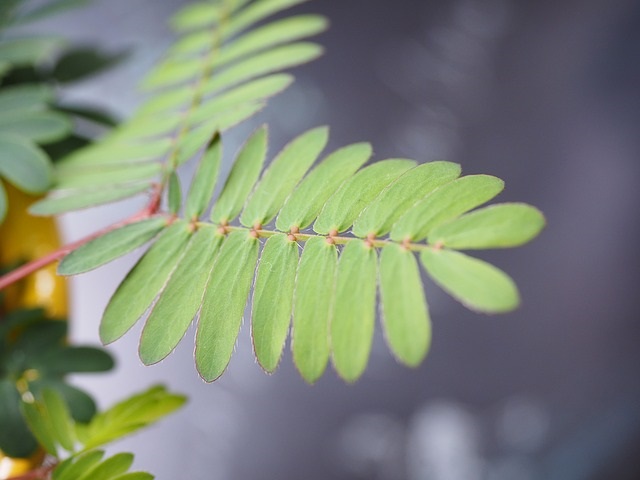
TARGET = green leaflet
(401,195)
(61,422)
(143,283)
(312,307)
(110,468)
(80,199)
(355,194)
(108,175)
(37,126)
(405,314)
(174,194)
(81,405)
(181,298)
(175,71)
(354,310)
(3,202)
(197,15)
(40,425)
(113,152)
(253,91)
(304,204)
(263,38)
(254,13)
(135,476)
(476,284)
(242,178)
(23,164)
(444,204)
(57,362)
(275,33)
(110,246)
(273,299)
(142,127)
(15,438)
(25,97)
(74,467)
(53,7)
(497,226)
(284,173)
(224,302)
(130,415)
(21,52)
(204,180)
(274,60)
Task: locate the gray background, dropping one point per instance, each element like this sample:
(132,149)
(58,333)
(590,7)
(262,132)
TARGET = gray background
(544,94)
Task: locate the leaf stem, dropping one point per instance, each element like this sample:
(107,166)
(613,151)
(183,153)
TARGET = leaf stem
(338,240)
(28,268)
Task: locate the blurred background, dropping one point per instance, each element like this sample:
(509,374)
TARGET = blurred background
(544,94)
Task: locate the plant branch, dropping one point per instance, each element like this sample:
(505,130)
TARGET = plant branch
(41,473)
(35,265)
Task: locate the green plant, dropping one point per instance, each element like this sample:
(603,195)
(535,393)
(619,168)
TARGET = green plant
(360,228)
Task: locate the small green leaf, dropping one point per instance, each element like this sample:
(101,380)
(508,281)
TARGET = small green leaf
(25,97)
(256,90)
(37,126)
(15,438)
(114,152)
(281,177)
(312,307)
(274,33)
(143,283)
(23,164)
(478,285)
(81,405)
(59,202)
(204,180)
(110,468)
(354,310)
(405,314)
(305,203)
(355,194)
(21,52)
(180,300)
(49,9)
(61,422)
(134,476)
(498,226)
(444,204)
(40,425)
(273,299)
(401,195)
(242,178)
(75,467)
(110,246)
(174,194)
(224,303)
(197,15)
(75,360)
(131,415)
(3,202)
(254,13)
(270,61)
(107,176)
(83,62)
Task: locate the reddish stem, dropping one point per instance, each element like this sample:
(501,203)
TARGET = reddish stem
(41,473)
(35,265)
